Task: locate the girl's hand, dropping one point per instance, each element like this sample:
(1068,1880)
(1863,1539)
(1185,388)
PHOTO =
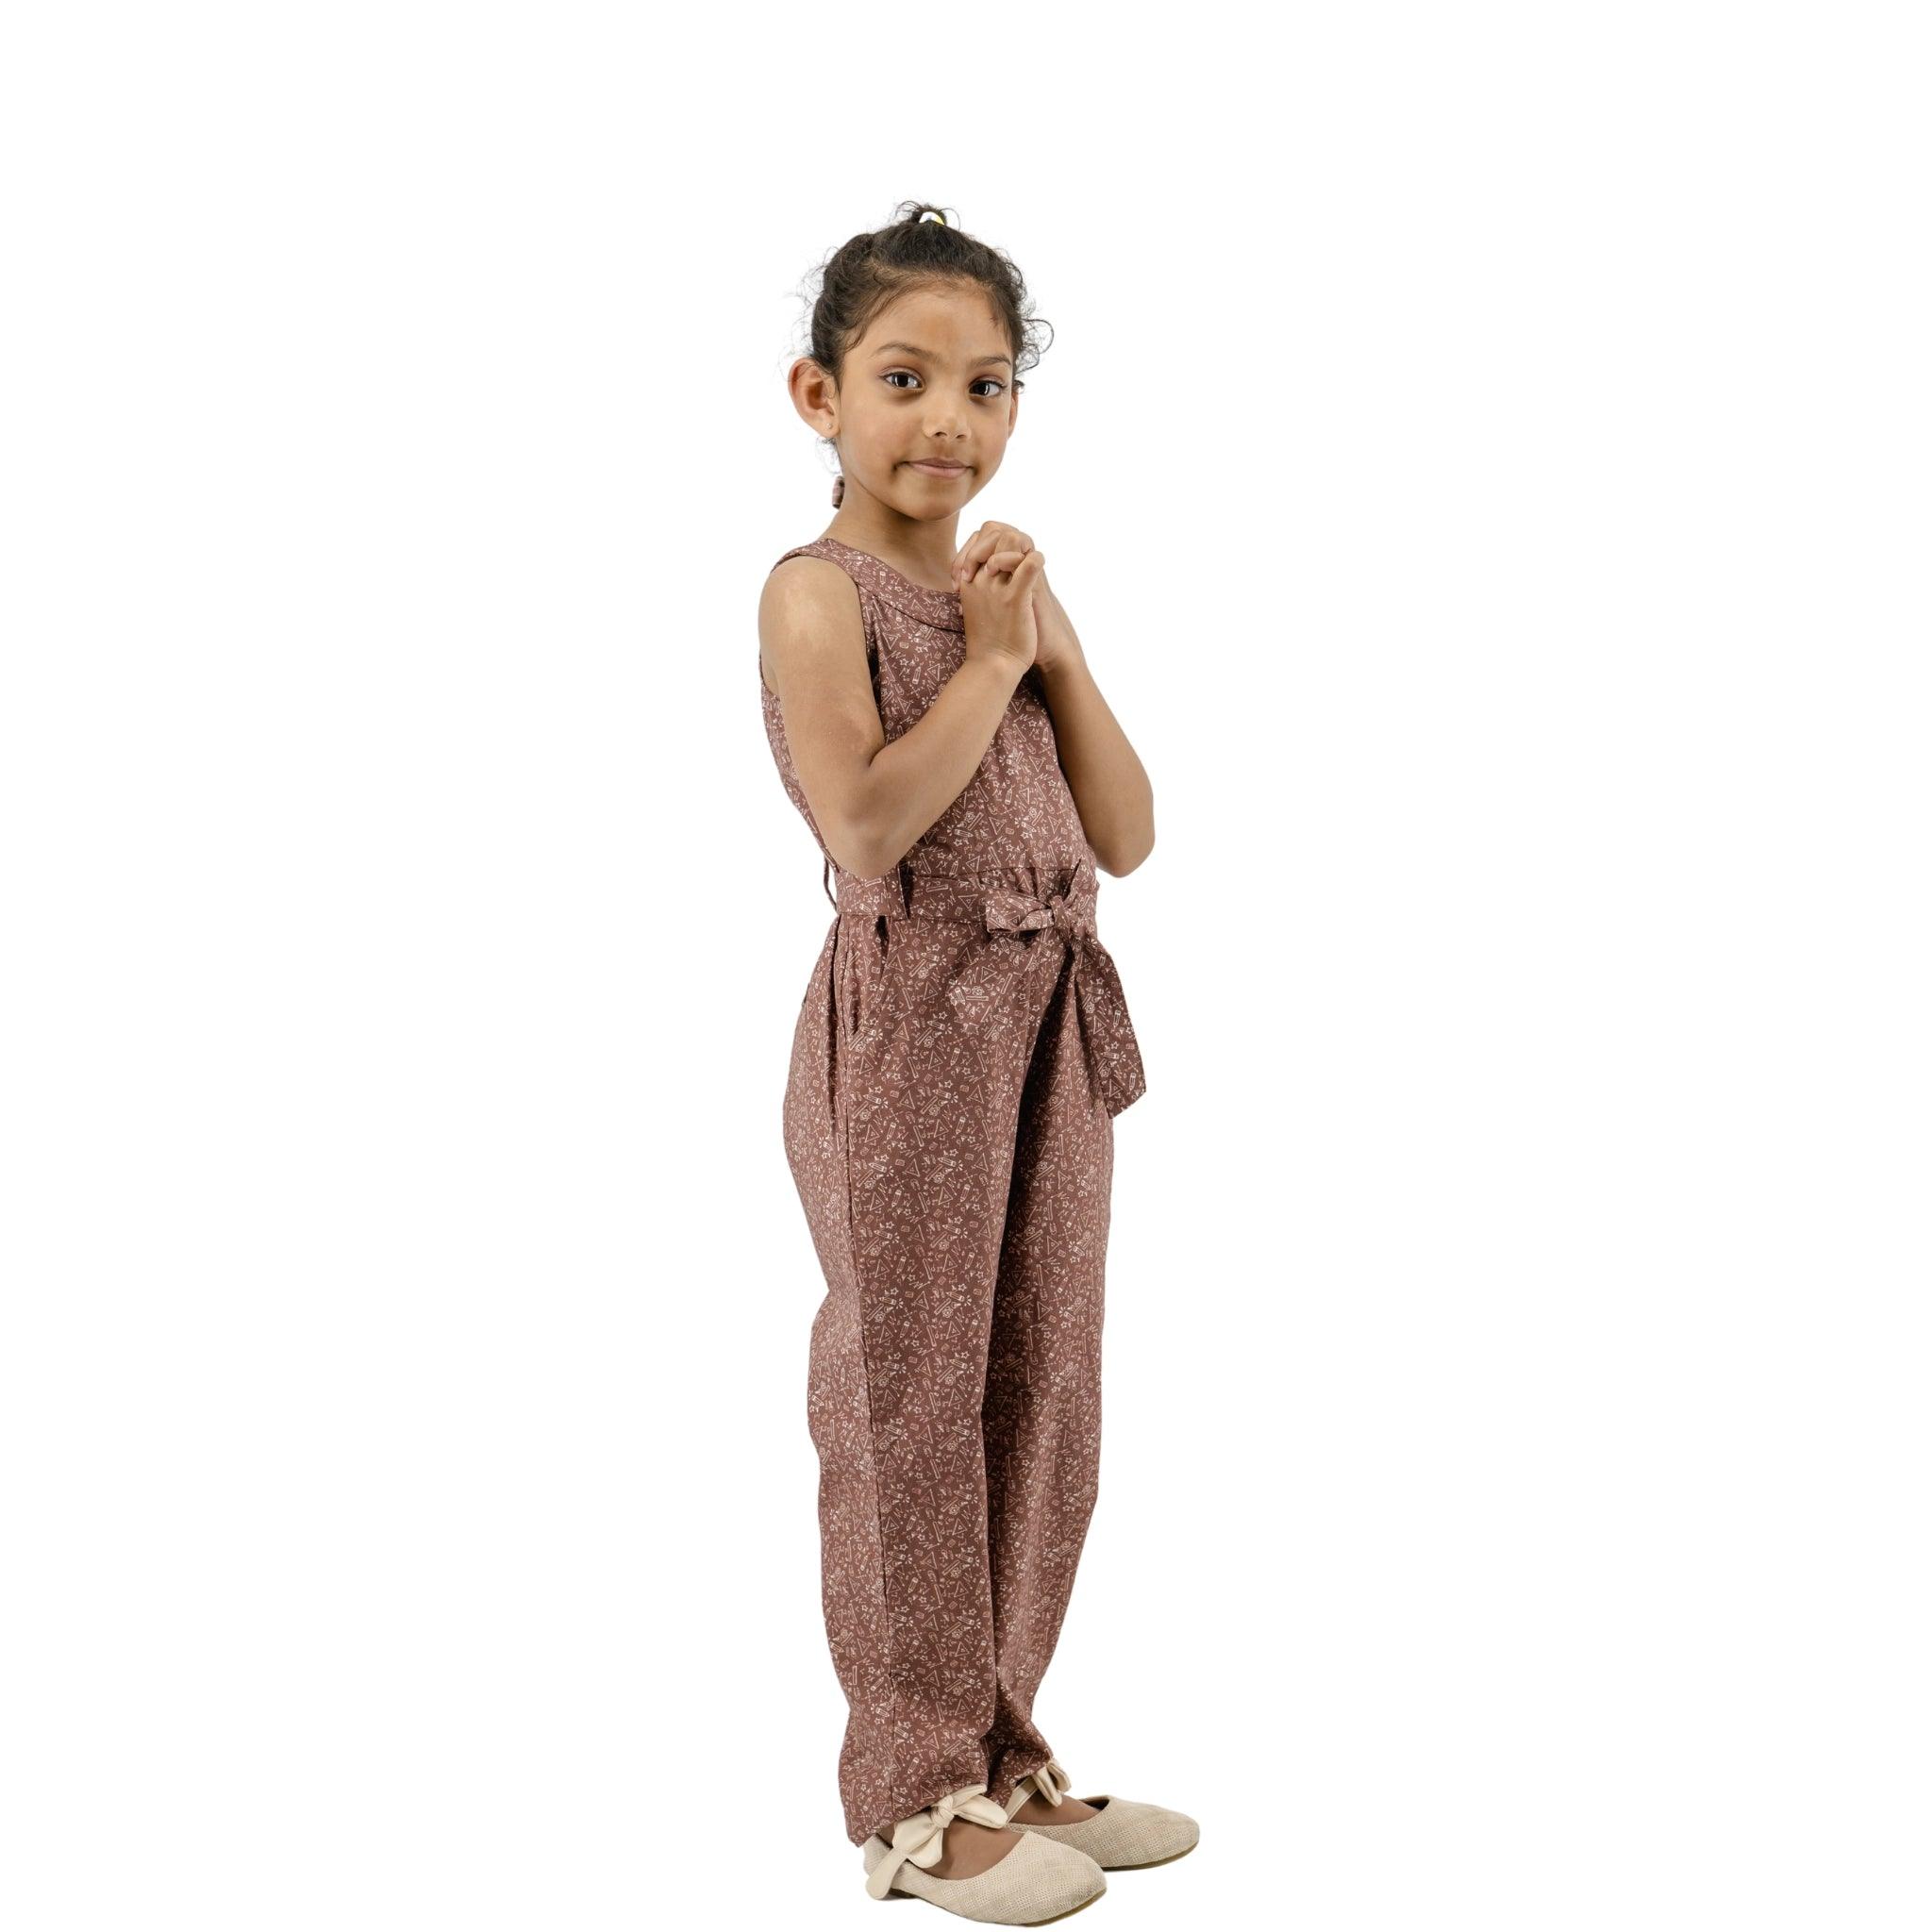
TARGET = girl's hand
(1058,645)
(999,545)
(997,606)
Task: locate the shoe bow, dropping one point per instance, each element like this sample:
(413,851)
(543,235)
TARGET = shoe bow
(1049,1779)
(921,1838)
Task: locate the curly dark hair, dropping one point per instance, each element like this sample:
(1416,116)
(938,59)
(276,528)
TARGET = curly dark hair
(921,247)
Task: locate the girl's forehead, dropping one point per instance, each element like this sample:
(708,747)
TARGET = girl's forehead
(959,316)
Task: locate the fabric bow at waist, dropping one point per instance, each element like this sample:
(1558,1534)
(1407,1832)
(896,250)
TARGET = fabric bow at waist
(1008,916)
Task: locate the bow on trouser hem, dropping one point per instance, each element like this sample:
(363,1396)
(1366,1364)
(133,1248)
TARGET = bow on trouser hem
(920,1840)
(1048,1779)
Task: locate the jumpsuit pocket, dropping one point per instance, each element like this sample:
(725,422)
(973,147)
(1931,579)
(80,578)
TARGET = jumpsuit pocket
(863,948)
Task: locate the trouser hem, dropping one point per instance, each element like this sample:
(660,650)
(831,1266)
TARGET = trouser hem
(928,1792)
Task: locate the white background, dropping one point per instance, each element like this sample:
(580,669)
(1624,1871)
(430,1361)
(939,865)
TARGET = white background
(1485,454)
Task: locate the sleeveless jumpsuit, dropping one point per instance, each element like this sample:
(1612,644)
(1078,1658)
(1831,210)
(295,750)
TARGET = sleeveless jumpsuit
(960,1051)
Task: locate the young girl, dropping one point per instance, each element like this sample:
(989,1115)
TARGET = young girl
(961,1050)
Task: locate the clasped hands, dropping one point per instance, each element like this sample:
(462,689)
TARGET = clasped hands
(997,548)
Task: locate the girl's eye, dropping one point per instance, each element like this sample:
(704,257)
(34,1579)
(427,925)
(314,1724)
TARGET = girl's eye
(998,387)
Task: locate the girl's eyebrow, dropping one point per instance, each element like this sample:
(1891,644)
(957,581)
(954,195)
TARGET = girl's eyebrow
(912,349)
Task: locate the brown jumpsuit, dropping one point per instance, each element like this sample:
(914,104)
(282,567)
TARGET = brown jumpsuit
(959,1055)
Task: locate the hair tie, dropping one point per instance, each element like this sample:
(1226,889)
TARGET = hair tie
(934,215)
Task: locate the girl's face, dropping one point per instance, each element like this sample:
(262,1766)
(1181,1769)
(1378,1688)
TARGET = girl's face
(930,381)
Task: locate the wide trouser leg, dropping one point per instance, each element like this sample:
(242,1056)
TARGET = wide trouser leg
(1041,1420)
(901,1123)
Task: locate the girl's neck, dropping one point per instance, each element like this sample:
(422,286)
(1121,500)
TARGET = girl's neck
(925,557)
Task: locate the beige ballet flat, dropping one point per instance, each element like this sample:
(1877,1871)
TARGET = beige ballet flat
(1036,1881)
(1121,1834)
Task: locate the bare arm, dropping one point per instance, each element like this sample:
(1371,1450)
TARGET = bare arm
(870,800)
(1110,785)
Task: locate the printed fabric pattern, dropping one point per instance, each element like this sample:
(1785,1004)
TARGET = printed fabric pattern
(961,1050)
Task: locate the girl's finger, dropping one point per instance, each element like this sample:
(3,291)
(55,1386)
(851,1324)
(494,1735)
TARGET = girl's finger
(973,551)
(986,543)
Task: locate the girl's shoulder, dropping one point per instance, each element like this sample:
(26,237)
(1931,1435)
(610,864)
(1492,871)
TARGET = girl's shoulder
(817,547)
(881,584)
(817,566)
(808,605)
(810,572)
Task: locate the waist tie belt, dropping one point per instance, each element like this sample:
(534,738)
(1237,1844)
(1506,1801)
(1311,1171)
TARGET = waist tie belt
(1007,915)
